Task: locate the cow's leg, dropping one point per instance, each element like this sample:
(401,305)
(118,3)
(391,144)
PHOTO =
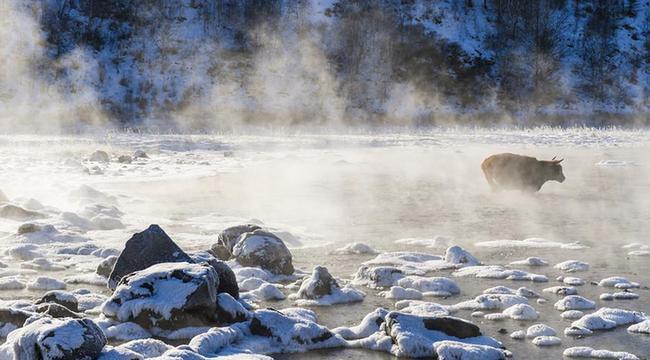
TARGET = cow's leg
(487,172)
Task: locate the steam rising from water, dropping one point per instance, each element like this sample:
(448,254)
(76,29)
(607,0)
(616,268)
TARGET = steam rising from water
(36,94)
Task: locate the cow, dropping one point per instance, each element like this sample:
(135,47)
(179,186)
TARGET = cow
(518,172)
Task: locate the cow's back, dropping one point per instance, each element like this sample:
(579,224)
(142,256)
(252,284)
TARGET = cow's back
(511,170)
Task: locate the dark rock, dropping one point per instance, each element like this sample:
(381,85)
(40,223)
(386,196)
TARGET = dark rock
(229,310)
(228,238)
(227,278)
(14,212)
(124,159)
(14,316)
(449,325)
(140,154)
(29,228)
(57,339)
(320,283)
(60,297)
(145,249)
(105,267)
(100,156)
(265,250)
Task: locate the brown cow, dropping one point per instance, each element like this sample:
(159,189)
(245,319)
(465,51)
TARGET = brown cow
(517,172)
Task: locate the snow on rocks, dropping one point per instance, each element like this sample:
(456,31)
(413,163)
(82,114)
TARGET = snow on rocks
(546,341)
(423,308)
(167,296)
(368,326)
(322,289)
(491,302)
(265,250)
(399,293)
(521,312)
(571,280)
(570,266)
(377,276)
(640,328)
(264,292)
(17,213)
(63,298)
(572,314)
(561,290)
(622,295)
(430,286)
(406,335)
(228,238)
(574,302)
(530,261)
(24,252)
(105,267)
(532,243)
(536,330)
(42,264)
(618,282)
(12,283)
(418,263)
(355,248)
(45,283)
(60,339)
(498,272)
(518,335)
(268,331)
(604,319)
(590,353)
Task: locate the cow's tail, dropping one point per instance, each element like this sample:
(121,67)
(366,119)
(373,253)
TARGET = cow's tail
(486,166)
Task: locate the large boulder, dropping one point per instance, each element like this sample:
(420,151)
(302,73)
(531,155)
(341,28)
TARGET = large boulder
(55,339)
(144,249)
(166,296)
(228,238)
(265,250)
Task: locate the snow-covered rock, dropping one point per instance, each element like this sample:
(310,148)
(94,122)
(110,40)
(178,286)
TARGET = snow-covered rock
(45,283)
(574,302)
(618,282)
(62,298)
(492,302)
(498,272)
(377,276)
(590,353)
(265,250)
(604,319)
(572,266)
(55,339)
(322,289)
(228,238)
(536,330)
(531,261)
(546,341)
(167,296)
(521,312)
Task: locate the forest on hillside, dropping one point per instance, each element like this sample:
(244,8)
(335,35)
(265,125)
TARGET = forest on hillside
(196,64)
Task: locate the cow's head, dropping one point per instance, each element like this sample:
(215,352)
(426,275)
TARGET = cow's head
(554,170)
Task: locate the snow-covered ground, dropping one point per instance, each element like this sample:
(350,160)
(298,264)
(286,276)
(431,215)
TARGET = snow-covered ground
(321,191)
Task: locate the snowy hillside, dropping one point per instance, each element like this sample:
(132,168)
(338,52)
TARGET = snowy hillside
(196,64)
